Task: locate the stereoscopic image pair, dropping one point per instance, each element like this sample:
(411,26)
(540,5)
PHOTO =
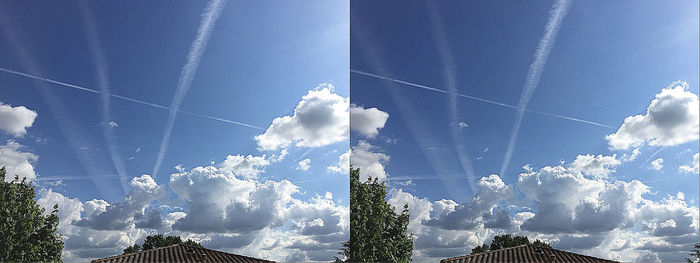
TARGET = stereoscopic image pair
(349,131)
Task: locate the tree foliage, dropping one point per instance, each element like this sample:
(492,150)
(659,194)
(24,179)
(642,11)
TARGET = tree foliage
(506,241)
(694,254)
(377,232)
(156,241)
(26,234)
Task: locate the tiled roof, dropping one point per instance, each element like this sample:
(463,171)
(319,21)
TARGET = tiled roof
(180,253)
(525,254)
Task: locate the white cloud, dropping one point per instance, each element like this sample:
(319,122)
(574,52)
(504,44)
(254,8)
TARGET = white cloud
(304,164)
(245,166)
(568,202)
(343,166)
(68,208)
(16,120)
(593,165)
(370,163)
(275,158)
(462,125)
(693,168)
(630,157)
(657,164)
(131,210)
(671,119)
(367,121)
(418,208)
(16,161)
(479,211)
(110,124)
(320,118)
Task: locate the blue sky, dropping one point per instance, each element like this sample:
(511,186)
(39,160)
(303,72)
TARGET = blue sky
(582,60)
(236,66)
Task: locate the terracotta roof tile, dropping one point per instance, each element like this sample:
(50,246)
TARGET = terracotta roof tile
(180,253)
(526,254)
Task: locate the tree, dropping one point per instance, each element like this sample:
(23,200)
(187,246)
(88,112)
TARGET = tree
(377,232)
(480,249)
(156,241)
(506,241)
(26,234)
(695,254)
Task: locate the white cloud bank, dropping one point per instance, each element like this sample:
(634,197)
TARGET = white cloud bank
(16,161)
(16,120)
(370,162)
(304,164)
(321,118)
(692,168)
(367,122)
(671,119)
(343,166)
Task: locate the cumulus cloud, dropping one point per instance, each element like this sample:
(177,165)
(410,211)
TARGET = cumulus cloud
(568,202)
(16,120)
(671,119)
(370,162)
(593,165)
(68,208)
(367,121)
(304,164)
(16,161)
(214,192)
(657,164)
(692,168)
(121,215)
(320,118)
(247,166)
(479,211)
(343,166)
(418,208)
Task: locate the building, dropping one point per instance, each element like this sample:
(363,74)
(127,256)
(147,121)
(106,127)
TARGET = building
(180,253)
(526,254)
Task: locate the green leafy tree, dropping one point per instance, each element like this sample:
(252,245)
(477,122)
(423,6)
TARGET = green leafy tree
(506,241)
(156,241)
(480,249)
(377,232)
(539,243)
(694,254)
(26,234)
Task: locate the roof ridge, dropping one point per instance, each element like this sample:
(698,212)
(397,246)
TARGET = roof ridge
(520,246)
(133,253)
(500,249)
(202,249)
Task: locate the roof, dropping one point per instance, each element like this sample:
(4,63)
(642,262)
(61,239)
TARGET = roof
(180,253)
(525,254)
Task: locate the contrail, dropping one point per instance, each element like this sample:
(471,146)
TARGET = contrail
(424,136)
(102,71)
(65,123)
(68,85)
(654,154)
(206,26)
(478,99)
(449,69)
(556,15)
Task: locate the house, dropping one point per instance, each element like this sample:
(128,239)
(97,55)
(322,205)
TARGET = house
(525,254)
(180,253)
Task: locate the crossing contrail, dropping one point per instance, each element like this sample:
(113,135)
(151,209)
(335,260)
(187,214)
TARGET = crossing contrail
(206,26)
(449,70)
(478,99)
(556,16)
(102,71)
(68,85)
